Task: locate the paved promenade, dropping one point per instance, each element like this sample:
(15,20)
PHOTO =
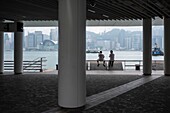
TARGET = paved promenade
(37,93)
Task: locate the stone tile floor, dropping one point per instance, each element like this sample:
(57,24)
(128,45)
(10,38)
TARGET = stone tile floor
(36,93)
(153,97)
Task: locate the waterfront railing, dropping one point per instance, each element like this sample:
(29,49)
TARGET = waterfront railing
(125,64)
(37,64)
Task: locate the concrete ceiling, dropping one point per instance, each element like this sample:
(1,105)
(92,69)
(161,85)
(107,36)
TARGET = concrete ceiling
(155,22)
(29,10)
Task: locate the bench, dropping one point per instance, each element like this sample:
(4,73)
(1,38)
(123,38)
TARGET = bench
(92,65)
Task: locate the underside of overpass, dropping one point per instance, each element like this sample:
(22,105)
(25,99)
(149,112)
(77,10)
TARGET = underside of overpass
(28,10)
(72,16)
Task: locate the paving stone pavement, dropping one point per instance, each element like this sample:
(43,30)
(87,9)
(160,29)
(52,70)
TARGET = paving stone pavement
(38,93)
(153,97)
(27,93)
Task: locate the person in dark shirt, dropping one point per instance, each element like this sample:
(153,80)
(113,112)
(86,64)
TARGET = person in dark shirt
(101,58)
(112,58)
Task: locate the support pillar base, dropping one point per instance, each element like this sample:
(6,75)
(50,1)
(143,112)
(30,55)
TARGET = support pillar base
(75,109)
(146,74)
(167,74)
(41,70)
(18,73)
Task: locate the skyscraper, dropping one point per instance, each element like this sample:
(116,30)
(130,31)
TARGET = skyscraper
(54,34)
(38,38)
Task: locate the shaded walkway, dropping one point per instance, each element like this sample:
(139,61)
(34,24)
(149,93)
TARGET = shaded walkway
(35,93)
(94,103)
(114,92)
(153,97)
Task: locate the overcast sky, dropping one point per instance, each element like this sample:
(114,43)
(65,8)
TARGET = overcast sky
(98,29)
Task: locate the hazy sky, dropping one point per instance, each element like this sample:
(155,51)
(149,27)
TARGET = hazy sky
(45,30)
(98,29)
(106,28)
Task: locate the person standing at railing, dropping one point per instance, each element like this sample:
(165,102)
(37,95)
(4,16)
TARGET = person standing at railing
(112,58)
(101,58)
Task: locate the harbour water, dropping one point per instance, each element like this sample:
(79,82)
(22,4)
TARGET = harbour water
(52,56)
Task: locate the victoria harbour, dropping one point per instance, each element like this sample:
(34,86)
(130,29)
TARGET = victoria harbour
(52,56)
(126,42)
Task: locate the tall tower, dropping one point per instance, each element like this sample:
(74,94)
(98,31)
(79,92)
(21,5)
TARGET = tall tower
(54,34)
(38,38)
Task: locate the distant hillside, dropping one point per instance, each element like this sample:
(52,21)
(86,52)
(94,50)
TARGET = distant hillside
(111,35)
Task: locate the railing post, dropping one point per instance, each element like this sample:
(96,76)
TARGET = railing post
(41,70)
(88,65)
(124,64)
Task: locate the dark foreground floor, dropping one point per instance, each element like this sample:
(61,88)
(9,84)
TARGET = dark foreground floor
(153,97)
(38,93)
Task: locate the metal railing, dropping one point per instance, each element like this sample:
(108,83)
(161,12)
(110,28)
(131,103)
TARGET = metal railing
(131,64)
(156,64)
(37,64)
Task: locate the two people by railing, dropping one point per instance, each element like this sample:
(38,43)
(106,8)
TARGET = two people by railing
(101,58)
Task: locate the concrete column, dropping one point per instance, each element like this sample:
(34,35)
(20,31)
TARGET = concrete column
(147,46)
(18,48)
(1,52)
(72,75)
(166,46)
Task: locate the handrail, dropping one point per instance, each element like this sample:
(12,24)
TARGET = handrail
(35,61)
(36,64)
(128,63)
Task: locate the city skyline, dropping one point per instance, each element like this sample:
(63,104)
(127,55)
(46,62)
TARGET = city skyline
(116,39)
(98,29)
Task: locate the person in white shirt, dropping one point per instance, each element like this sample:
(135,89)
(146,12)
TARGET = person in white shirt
(112,58)
(101,58)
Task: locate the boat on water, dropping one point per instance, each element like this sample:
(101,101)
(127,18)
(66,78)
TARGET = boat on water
(157,51)
(92,51)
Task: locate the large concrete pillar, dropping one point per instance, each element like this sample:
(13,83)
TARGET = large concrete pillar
(147,46)
(18,48)
(1,52)
(166,46)
(72,77)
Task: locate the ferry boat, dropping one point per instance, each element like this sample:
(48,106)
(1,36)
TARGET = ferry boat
(92,51)
(157,51)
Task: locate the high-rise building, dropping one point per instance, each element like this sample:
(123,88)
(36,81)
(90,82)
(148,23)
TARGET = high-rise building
(121,38)
(107,45)
(128,43)
(31,41)
(38,38)
(7,41)
(12,41)
(54,34)
(136,42)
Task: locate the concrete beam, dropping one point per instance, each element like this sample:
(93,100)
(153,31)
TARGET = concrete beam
(155,22)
